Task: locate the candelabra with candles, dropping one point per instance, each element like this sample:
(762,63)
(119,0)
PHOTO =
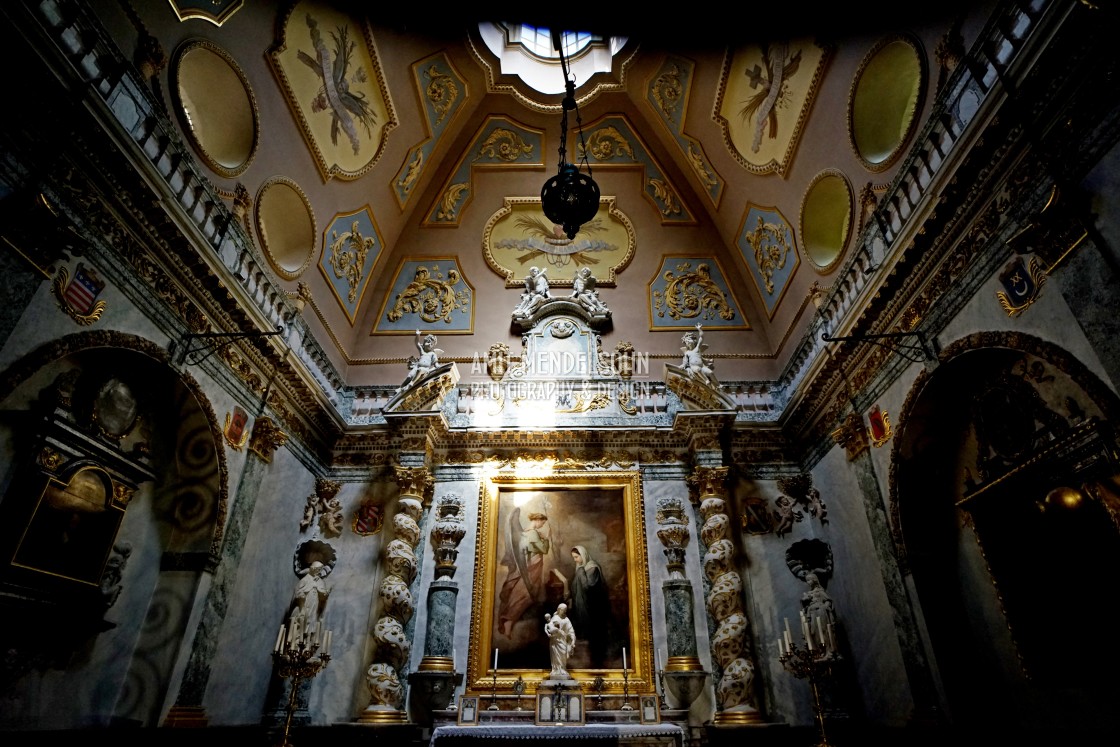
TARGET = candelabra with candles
(814,662)
(300,654)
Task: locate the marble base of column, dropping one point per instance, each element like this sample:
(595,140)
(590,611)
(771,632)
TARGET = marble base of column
(685,685)
(430,691)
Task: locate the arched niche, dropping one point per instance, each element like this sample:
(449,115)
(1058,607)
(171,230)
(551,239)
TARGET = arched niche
(826,220)
(990,446)
(115,491)
(885,100)
(216,106)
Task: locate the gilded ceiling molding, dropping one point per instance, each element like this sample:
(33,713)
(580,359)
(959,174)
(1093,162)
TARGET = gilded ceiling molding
(885,99)
(613,143)
(518,234)
(286,226)
(328,67)
(442,92)
(768,249)
(216,12)
(497,82)
(763,100)
(690,288)
(216,104)
(668,93)
(500,143)
(825,224)
(427,292)
(352,246)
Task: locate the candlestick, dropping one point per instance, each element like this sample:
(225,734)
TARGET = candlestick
(813,663)
(301,660)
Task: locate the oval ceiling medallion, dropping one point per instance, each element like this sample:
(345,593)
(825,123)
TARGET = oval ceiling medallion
(286,226)
(884,100)
(826,219)
(217,106)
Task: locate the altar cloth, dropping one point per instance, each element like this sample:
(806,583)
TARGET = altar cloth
(615,734)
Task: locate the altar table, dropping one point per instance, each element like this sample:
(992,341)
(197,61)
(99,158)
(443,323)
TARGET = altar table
(628,735)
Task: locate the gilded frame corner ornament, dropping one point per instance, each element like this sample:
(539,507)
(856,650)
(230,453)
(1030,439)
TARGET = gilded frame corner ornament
(501,497)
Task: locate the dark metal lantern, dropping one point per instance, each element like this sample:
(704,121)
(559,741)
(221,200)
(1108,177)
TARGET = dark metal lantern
(570,198)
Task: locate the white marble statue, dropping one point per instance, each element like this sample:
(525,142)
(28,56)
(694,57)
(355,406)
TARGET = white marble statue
(694,362)
(536,292)
(311,596)
(585,293)
(561,642)
(425,364)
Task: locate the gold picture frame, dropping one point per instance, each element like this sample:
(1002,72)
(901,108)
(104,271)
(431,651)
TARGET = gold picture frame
(601,514)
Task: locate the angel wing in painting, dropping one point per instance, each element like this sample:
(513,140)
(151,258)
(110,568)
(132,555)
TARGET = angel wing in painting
(526,549)
(345,105)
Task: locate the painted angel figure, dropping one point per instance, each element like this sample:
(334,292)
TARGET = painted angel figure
(694,362)
(584,292)
(425,364)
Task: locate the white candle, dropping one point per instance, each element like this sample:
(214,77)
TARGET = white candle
(787,630)
(279,639)
(832,636)
(820,633)
(327,643)
(624,658)
(781,651)
(656,660)
(495,660)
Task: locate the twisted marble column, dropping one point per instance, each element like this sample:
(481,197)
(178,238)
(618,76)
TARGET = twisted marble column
(391,645)
(684,673)
(736,700)
(433,684)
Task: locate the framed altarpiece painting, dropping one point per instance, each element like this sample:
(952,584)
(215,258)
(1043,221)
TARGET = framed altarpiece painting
(575,539)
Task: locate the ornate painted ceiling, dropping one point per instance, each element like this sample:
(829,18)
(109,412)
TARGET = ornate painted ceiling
(391,166)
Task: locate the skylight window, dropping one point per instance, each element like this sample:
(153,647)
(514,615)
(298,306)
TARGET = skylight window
(527,52)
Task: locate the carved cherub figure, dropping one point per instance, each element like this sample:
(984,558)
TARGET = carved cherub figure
(427,362)
(694,362)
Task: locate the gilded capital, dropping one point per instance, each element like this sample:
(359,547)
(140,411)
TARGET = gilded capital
(706,481)
(414,481)
(266,439)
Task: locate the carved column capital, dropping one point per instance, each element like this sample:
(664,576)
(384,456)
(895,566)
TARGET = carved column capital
(415,482)
(266,439)
(707,481)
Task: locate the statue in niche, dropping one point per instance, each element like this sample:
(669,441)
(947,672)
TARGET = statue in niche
(536,292)
(694,363)
(585,294)
(561,641)
(816,602)
(427,362)
(311,595)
